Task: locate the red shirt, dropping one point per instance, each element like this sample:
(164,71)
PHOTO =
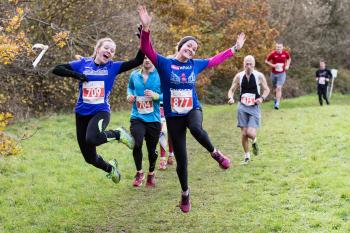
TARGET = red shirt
(278,58)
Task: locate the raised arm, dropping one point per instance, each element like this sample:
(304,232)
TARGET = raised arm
(131,64)
(221,57)
(231,91)
(146,45)
(66,70)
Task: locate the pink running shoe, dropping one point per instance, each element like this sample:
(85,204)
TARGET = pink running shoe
(151,181)
(185,204)
(162,164)
(224,161)
(139,177)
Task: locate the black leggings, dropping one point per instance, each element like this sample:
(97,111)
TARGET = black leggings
(150,131)
(90,133)
(177,127)
(322,92)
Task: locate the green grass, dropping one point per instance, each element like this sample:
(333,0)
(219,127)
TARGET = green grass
(299,182)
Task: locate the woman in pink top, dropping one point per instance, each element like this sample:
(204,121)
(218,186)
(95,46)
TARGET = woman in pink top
(181,105)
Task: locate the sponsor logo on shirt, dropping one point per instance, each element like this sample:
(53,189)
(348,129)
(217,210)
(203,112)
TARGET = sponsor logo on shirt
(99,72)
(175,67)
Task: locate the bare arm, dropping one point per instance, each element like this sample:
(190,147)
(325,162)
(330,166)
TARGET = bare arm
(266,89)
(288,63)
(233,88)
(269,63)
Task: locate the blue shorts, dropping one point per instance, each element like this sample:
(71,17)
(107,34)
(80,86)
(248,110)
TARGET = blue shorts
(278,79)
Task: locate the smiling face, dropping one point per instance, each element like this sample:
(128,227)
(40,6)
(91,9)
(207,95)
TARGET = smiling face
(188,49)
(105,52)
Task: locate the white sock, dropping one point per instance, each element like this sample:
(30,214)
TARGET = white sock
(185,193)
(254,140)
(247,155)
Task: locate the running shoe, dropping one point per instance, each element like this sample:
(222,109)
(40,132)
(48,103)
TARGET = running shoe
(139,177)
(185,203)
(162,164)
(170,160)
(115,173)
(126,138)
(151,181)
(224,161)
(245,161)
(255,148)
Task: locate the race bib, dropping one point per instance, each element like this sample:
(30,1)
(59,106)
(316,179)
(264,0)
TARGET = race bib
(94,92)
(279,67)
(248,99)
(322,80)
(181,100)
(144,104)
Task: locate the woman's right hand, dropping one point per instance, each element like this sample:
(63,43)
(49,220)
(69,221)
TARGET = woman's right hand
(130,98)
(145,18)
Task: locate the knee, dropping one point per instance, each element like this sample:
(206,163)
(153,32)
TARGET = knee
(138,145)
(244,133)
(196,130)
(92,140)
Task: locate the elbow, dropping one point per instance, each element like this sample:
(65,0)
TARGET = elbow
(56,70)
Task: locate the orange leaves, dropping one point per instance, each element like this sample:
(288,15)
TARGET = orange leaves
(61,38)
(13,41)
(8,145)
(4,120)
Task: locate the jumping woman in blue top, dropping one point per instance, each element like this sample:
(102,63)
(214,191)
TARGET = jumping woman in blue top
(96,77)
(182,109)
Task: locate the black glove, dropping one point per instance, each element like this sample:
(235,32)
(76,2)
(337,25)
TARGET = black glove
(83,78)
(139,29)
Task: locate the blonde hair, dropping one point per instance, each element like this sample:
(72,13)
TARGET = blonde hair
(100,43)
(249,57)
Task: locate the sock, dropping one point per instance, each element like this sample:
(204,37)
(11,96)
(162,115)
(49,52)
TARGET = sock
(185,193)
(117,134)
(254,140)
(247,155)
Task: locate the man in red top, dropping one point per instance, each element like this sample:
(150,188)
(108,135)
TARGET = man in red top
(279,60)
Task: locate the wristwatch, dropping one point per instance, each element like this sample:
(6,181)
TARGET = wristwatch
(235,48)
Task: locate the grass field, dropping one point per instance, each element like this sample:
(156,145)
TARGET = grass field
(299,182)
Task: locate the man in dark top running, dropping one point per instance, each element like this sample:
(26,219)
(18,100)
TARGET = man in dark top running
(323,76)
